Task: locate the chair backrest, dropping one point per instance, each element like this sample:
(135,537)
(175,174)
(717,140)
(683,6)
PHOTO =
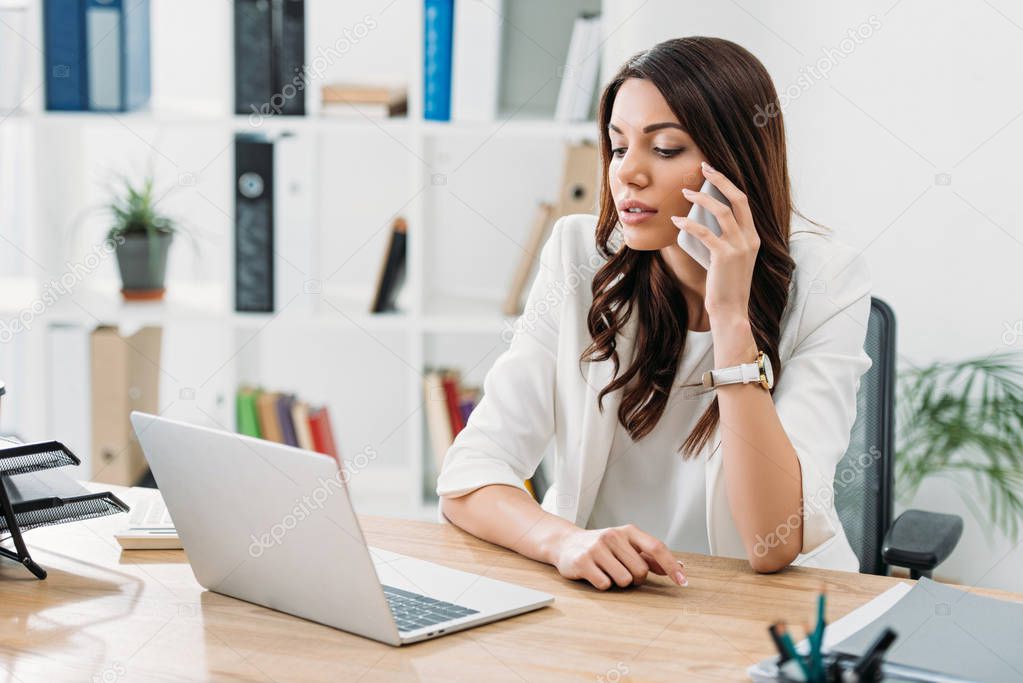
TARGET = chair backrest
(863,478)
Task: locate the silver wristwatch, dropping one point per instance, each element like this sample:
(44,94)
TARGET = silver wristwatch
(758,371)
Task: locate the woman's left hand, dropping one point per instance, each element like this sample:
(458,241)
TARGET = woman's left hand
(733,254)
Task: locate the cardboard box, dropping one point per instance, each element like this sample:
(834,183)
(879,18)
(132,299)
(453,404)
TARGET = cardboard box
(125,376)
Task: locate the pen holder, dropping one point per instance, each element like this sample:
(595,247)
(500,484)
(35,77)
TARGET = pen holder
(836,668)
(790,672)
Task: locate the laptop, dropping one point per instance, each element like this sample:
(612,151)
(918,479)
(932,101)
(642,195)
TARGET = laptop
(274,525)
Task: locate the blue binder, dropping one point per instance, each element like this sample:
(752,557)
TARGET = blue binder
(439,17)
(64,59)
(97,54)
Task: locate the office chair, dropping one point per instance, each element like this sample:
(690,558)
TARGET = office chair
(916,540)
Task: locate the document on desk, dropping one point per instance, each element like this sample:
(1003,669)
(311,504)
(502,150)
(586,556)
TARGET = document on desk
(943,634)
(950,631)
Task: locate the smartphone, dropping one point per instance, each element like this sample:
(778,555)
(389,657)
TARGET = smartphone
(690,243)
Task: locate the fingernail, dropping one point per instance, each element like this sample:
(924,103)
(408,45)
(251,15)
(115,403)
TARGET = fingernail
(687,192)
(707,166)
(680,221)
(681,579)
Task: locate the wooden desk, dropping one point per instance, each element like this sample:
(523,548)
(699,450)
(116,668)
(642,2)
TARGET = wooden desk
(113,616)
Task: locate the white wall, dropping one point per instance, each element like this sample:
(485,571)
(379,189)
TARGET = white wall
(927,92)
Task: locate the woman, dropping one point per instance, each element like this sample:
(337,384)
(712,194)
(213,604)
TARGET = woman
(620,318)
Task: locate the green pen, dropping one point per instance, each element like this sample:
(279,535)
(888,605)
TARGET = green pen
(816,663)
(786,640)
(817,642)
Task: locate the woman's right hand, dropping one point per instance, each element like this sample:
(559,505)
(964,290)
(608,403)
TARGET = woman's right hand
(622,555)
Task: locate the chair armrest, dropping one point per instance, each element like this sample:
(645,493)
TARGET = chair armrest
(920,540)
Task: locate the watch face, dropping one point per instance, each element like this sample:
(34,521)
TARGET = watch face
(768,370)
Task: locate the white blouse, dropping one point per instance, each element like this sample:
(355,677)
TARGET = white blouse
(538,391)
(647,482)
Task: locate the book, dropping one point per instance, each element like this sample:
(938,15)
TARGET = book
(467,400)
(284,418)
(363,93)
(358,101)
(283,405)
(437,35)
(269,423)
(323,435)
(300,419)
(353,110)
(392,271)
(449,381)
(438,420)
(246,415)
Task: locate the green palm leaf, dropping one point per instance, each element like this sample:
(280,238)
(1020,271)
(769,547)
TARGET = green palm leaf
(964,420)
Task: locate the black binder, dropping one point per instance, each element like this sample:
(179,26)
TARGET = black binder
(33,493)
(254,223)
(269,57)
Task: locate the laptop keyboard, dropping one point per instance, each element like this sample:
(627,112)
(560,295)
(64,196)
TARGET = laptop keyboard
(412,610)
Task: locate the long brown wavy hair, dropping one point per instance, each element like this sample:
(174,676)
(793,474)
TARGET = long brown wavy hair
(719,91)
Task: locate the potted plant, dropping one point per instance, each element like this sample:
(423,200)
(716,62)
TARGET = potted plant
(143,236)
(964,420)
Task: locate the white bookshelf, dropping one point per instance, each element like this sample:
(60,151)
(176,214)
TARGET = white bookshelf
(463,237)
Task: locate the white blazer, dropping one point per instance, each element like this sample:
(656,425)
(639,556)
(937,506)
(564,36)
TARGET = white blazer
(536,390)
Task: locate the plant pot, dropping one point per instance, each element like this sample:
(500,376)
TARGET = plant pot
(142,260)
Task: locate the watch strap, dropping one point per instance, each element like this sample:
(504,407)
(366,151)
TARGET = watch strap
(745,373)
(737,374)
